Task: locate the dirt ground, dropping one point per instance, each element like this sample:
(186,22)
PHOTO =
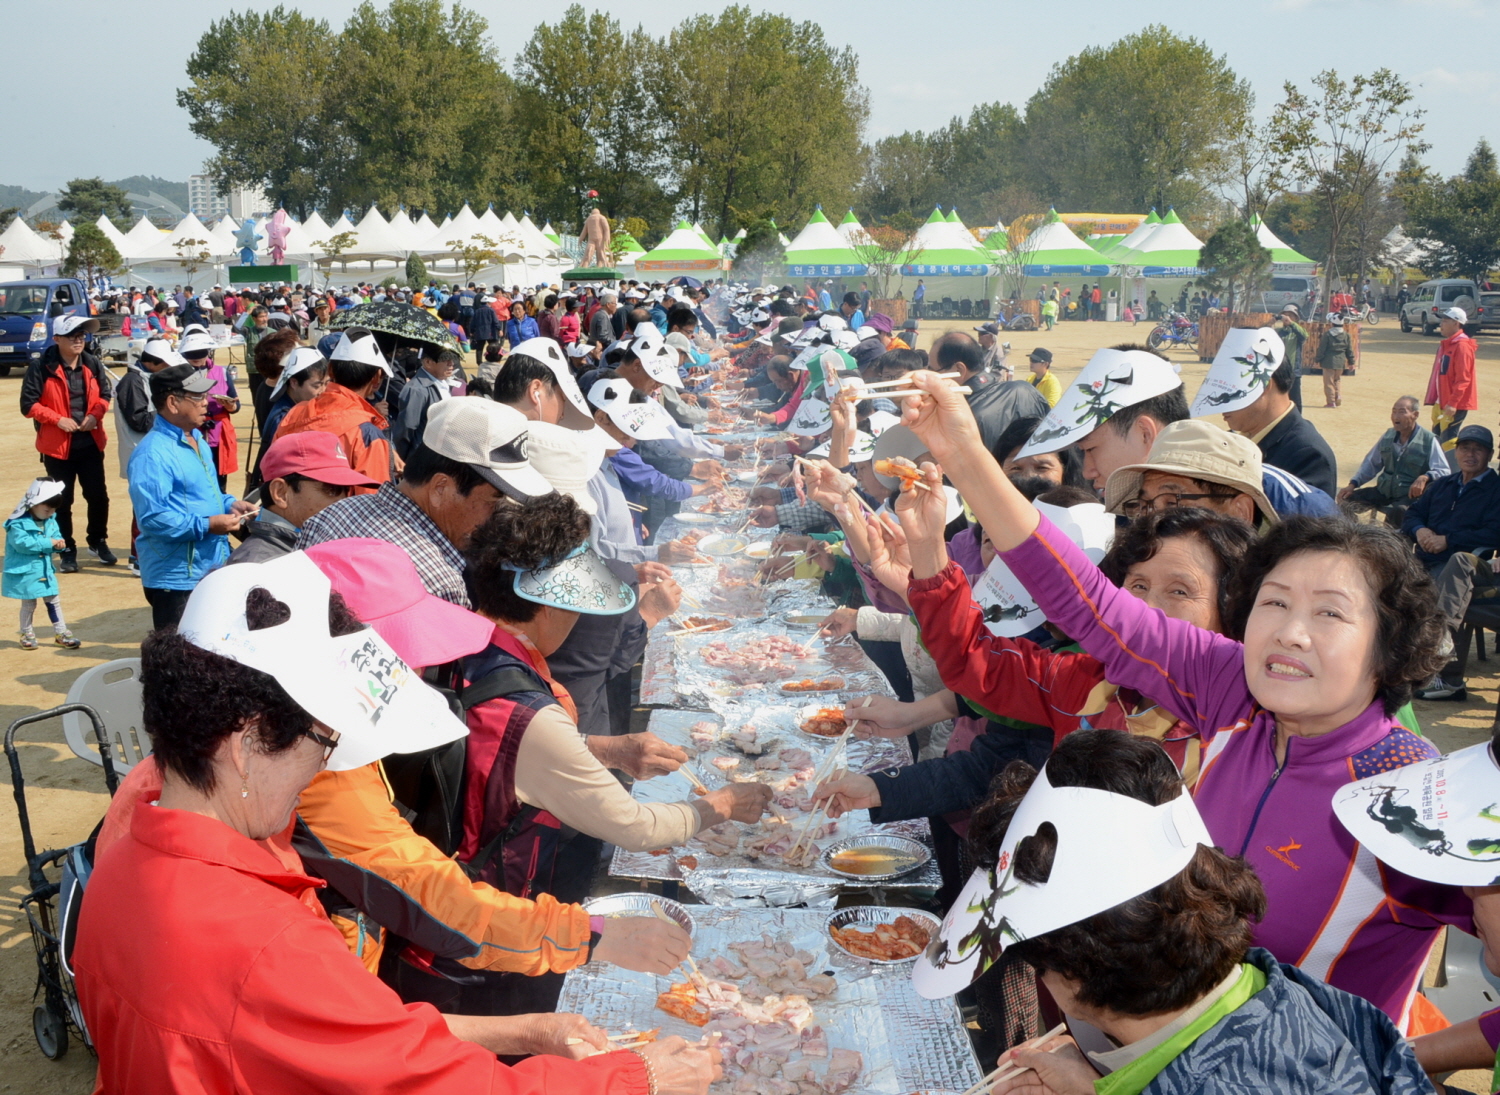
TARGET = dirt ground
(106,610)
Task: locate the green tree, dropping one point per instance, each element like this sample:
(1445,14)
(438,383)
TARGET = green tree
(588,120)
(332,248)
(1338,140)
(727,81)
(759,250)
(89,199)
(1235,262)
(476,253)
(1458,218)
(1138,124)
(906,173)
(428,108)
(416,271)
(259,92)
(194,254)
(7,215)
(91,254)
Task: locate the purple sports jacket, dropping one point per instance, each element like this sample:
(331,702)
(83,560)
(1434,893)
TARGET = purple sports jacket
(1332,908)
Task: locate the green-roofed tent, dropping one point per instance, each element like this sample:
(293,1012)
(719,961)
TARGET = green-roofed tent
(683,251)
(948,249)
(1170,251)
(850,229)
(819,251)
(1284,260)
(1052,250)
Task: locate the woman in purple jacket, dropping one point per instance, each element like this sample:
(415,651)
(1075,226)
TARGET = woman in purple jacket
(1337,626)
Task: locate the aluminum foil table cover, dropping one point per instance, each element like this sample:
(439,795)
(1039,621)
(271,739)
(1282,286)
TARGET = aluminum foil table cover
(908,1043)
(739,879)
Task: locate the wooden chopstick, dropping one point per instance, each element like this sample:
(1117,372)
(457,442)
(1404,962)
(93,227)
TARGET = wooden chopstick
(1009,1069)
(962,389)
(818,808)
(903,380)
(635,506)
(693,778)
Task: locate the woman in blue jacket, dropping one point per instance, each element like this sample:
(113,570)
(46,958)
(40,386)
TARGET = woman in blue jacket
(520,326)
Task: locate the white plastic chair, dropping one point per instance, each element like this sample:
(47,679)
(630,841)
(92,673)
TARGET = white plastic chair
(1468,987)
(114,691)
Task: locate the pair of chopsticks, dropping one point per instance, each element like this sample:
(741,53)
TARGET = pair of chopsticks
(962,389)
(631,1040)
(903,380)
(819,808)
(636,506)
(1010,1070)
(692,776)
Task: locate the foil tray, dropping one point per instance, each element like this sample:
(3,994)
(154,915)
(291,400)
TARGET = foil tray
(908,1043)
(738,878)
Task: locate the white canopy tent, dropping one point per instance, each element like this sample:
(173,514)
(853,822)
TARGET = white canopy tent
(25,247)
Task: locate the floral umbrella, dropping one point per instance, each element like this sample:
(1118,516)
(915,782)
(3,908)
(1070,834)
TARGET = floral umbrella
(402,324)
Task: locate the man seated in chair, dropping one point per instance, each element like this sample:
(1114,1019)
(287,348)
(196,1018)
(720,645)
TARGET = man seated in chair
(1403,462)
(1457,516)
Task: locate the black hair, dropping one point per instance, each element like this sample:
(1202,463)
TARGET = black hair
(1161,950)
(516,375)
(898,360)
(527,536)
(1166,408)
(316,371)
(225,695)
(1227,539)
(852,298)
(1409,631)
(781,308)
(680,316)
(1019,431)
(423,463)
(1282,377)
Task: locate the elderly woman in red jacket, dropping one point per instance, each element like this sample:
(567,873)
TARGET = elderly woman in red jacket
(236,981)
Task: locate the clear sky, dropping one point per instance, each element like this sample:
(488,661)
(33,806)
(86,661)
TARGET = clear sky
(114,113)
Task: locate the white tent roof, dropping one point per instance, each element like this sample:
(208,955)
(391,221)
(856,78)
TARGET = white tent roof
(66,228)
(425,226)
(492,225)
(531,239)
(142,238)
(407,234)
(107,226)
(222,234)
(189,228)
(1170,235)
(374,238)
(302,243)
(1137,238)
(316,227)
(25,247)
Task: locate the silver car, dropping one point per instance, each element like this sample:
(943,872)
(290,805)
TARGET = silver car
(1435,296)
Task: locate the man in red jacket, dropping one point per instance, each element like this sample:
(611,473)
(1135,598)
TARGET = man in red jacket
(1453,388)
(67,393)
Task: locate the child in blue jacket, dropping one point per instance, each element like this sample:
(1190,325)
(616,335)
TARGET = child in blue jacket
(31,536)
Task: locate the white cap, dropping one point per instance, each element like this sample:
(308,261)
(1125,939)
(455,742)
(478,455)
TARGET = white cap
(69,324)
(1458,315)
(196,342)
(659,360)
(1110,382)
(162,350)
(576,414)
(353,684)
(298,361)
(362,349)
(1241,370)
(568,459)
(646,421)
(489,437)
(41,490)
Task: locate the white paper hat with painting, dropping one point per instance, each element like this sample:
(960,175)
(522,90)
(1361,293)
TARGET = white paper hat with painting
(1110,848)
(1009,610)
(811,419)
(1110,382)
(1241,370)
(1437,820)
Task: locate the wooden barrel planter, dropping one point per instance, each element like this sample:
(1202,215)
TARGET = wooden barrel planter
(1213,327)
(896,309)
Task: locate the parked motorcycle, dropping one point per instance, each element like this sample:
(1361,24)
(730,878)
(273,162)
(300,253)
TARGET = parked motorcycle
(1176,330)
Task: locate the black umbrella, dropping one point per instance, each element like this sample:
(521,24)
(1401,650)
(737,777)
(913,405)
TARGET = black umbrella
(401,324)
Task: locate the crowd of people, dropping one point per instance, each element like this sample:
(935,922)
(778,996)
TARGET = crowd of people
(1140,657)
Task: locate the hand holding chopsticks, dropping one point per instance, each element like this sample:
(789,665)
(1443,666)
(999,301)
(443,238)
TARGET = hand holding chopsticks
(661,914)
(1010,1068)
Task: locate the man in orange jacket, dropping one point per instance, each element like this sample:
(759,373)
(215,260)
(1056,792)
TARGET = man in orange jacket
(1453,388)
(357,370)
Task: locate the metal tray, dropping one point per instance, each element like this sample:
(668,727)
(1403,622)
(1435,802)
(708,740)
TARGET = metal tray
(919,852)
(639,904)
(863,915)
(909,1044)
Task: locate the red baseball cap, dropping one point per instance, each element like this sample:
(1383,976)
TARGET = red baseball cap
(380,584)
(314,454)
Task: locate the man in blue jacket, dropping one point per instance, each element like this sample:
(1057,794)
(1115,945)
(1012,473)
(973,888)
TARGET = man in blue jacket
(183,516)
(1458,512)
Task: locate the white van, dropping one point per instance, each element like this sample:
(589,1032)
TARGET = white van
(1432,297)
(1290,289)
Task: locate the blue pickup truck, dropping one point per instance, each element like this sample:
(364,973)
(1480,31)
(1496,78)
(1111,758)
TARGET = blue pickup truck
(27,309)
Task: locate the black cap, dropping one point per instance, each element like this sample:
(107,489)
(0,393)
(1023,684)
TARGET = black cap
(195,381)
(988,328)
(1040,354)
(908,325)
(1479,434)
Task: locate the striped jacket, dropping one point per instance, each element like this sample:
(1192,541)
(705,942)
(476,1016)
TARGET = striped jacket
(1332,908)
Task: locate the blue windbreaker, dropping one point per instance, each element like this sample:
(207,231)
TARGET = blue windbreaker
(175,490)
